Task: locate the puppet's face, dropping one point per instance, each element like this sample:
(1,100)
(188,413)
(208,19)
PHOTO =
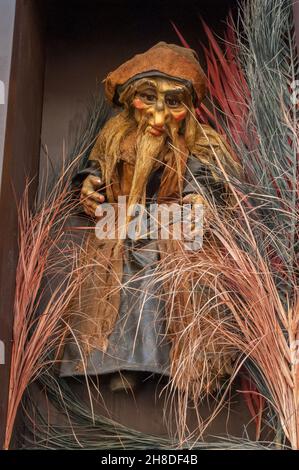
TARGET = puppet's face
(160,108)
(161,104)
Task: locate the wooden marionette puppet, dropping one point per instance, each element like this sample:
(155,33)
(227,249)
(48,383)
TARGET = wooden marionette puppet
(153,151)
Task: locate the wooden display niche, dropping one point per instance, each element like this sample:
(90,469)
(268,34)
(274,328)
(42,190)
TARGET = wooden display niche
(62,50)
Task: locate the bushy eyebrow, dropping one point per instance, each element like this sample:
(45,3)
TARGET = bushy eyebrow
(151,84)
(176,91)
(147,83)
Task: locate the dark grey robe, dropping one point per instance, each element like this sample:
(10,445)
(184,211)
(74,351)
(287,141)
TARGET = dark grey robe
(138,340)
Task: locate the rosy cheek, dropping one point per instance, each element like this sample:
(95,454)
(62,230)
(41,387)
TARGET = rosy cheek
(180,116)
(138,104)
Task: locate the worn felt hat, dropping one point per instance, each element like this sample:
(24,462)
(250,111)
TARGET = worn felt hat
(164,60)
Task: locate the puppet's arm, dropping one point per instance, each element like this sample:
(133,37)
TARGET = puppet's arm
(211,171)
(212,164)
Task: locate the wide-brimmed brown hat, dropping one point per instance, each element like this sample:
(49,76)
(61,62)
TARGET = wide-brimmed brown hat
(168,60)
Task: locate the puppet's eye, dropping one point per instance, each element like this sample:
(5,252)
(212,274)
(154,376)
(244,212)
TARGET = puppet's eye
(148,97)
(172,102)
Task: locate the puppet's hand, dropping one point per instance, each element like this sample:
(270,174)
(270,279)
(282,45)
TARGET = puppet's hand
(194,198)
(90,198)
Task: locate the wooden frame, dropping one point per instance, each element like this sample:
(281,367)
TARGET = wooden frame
(20,130)
(21,160)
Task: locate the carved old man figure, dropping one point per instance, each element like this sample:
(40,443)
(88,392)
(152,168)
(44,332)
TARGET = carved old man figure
(154,149)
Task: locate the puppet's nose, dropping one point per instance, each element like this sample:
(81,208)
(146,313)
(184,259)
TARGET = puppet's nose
(160,115)
(159,118)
